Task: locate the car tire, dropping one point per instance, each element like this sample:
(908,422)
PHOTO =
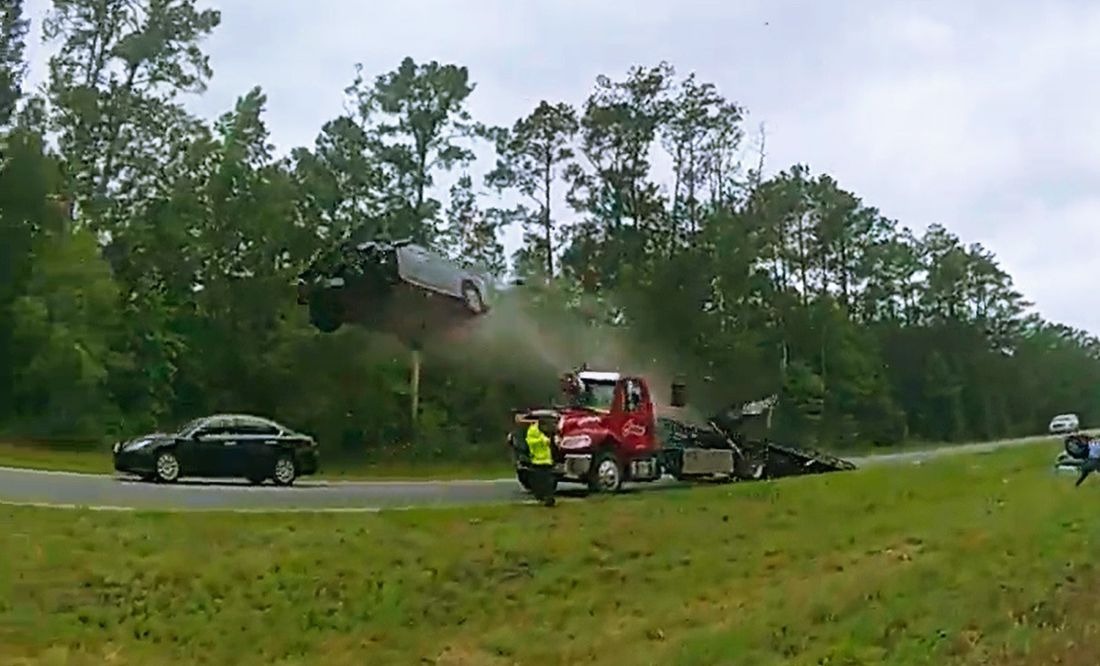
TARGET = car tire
(606,475)
(167,467)
(285,470)
(471,297)
(325,312)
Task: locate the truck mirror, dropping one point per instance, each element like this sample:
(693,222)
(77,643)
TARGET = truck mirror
(679,394)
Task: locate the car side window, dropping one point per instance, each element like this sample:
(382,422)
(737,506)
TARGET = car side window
(436,255)
(256,427)
(216,428)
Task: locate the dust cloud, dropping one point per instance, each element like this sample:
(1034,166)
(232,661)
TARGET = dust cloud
(530,334)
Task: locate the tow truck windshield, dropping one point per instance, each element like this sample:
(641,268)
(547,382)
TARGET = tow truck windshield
(596,395)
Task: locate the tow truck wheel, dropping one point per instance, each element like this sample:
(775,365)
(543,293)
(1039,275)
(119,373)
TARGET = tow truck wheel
(607,475)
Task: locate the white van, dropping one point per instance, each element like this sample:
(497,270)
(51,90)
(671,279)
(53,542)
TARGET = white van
(1064,423)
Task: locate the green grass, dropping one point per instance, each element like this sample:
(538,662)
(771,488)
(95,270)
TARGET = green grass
(88,458)
(95,459)
(965,560)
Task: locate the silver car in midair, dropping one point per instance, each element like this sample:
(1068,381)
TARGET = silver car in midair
(342,284)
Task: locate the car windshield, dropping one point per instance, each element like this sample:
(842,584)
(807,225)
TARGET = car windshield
(189,427)
(597,395)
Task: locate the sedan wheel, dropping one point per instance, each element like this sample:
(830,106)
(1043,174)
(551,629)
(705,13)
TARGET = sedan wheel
(285,471)
(168,467)
(472,298)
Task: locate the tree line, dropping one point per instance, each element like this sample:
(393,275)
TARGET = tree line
(147,255)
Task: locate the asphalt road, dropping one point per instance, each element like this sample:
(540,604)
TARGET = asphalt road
(66,489)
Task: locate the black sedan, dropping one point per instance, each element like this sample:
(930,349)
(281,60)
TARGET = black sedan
(219,446)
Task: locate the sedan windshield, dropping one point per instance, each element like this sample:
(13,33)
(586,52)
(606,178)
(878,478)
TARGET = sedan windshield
(191,426)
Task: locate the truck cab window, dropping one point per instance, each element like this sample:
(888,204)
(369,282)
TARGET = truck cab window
(633,396)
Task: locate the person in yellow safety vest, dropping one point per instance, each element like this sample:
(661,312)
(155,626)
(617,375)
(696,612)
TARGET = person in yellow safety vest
(541,472)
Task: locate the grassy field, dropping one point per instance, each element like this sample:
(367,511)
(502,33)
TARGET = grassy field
(967,560)
(97,460)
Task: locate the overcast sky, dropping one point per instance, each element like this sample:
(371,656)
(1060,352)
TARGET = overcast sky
(976,115)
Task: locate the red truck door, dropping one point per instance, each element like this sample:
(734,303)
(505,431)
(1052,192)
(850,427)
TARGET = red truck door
(637,424)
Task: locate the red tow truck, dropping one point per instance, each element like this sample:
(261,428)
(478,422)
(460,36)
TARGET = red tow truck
(607,432)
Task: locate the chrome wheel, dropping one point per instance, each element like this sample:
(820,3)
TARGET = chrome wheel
(284,471)
(168,468)
(607,475)
(473,299)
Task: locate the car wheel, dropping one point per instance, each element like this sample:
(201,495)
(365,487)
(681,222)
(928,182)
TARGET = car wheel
(325,312)
(285,470)
(167,467)
(607,475)
(471,296)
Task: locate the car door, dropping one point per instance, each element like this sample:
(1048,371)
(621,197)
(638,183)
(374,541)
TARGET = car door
(209,447)
(637,424)
(445,275)
(255,452)
(234,440)
(412,264)
(433,270)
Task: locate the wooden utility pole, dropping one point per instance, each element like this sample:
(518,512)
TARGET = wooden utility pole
(415,385)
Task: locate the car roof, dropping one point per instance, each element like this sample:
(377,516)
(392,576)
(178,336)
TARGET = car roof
(1068,415)
(245,417)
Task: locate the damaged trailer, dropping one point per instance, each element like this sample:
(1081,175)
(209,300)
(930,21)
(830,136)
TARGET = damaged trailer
(750,455)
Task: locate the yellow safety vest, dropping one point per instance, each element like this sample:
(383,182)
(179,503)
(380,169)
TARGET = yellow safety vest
(538,445)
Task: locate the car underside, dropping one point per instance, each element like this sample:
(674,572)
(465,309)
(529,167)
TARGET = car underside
(391,286)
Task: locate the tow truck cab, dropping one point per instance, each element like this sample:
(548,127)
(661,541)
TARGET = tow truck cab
(604,434)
